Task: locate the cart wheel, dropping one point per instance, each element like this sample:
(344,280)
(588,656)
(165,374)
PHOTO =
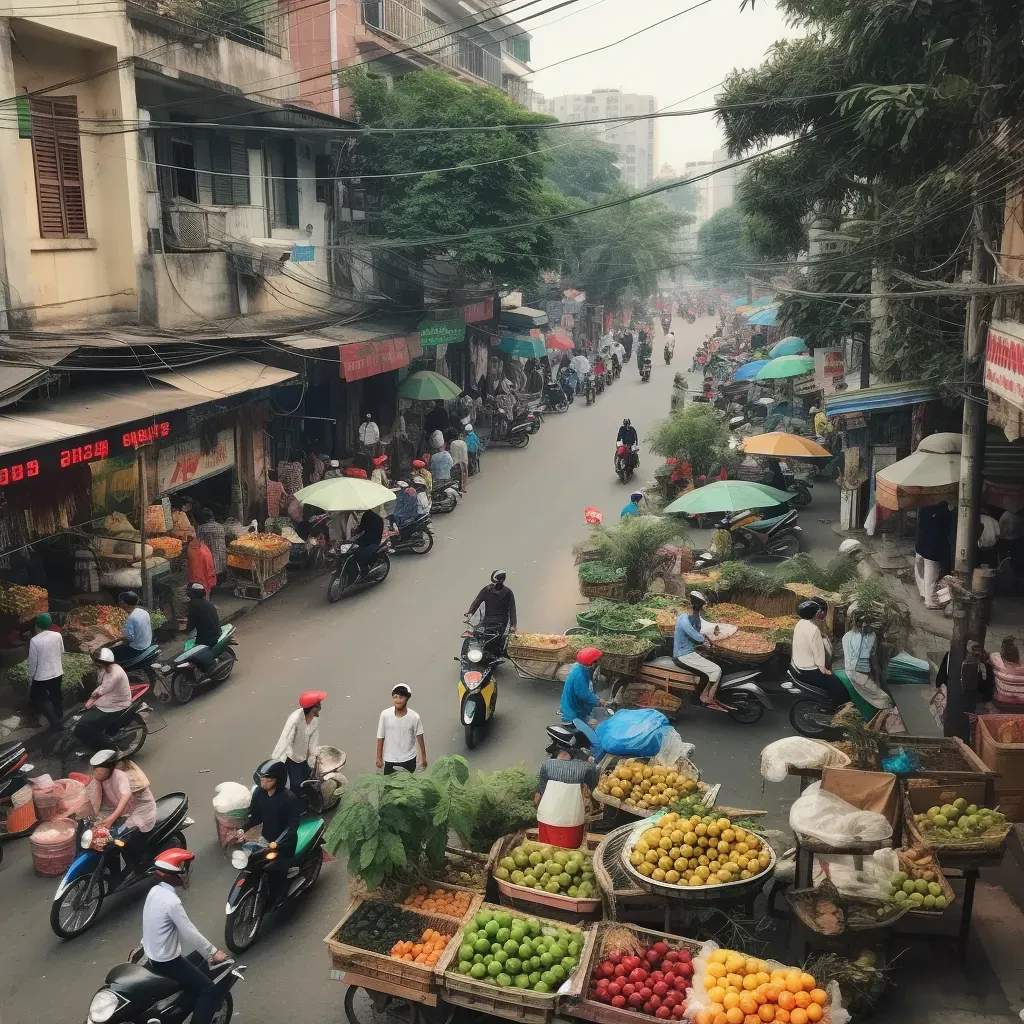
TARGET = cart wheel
(363,1006)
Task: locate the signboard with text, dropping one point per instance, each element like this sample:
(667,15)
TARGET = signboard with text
(368,358)
(478,311)
(828,366)
(1004,362)
(180,464)
(441,332)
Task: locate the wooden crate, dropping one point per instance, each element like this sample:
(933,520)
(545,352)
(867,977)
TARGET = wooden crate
(650,695)
(976,852)
(1005,758)
(672,680)
(516,1004)
(476,898)
(946,760)
(383,973)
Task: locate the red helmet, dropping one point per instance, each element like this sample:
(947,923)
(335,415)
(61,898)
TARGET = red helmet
(174,865)
(588,656)
(310,698)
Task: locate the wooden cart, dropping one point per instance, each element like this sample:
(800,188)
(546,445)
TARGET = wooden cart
(255,577)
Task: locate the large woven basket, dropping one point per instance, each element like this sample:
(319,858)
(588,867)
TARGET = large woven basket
(743,657)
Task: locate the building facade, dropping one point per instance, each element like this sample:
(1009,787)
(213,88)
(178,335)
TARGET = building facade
(636,142)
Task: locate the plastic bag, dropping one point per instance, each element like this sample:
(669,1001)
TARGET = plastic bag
(868,877)
(830,819)
(795,751)
(673,749)
(871,521)
(230,796)
(637,733)
(903,762)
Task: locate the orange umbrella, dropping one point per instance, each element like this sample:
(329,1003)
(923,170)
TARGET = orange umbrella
(784,446)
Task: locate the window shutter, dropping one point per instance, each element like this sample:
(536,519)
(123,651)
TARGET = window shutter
(47,167)
(69,151)
(239,171)
(203,163)
(220,153)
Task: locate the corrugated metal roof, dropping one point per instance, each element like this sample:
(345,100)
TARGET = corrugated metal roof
(520,315)
(1004,460)
(329,337)
(219,380)
(879,397)
(18,381)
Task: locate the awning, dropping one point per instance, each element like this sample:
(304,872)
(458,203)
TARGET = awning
(218,380)
(18,381)
(343,334)
(879,397)
(524,316)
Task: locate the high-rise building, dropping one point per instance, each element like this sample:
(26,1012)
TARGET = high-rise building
(634,141)
(717,189)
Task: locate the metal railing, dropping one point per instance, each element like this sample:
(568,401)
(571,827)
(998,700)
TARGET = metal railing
(438,42)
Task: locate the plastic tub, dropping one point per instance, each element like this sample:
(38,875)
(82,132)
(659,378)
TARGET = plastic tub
(53,847)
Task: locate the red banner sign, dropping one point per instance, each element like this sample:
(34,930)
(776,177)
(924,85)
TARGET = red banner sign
(478,311)
(368,358)
(1004,365)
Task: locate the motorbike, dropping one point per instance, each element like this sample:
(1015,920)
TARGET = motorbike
(778,537)
(518,436)
(112,861)
(645,370)
(667,353)
(812,713)
(555,397)
(445,497)
(346,570)
(142,666)
(739,692)
(599,383)
(626,461)
(533,418)
(569,380)
(14,769)
(127,729)
(132,993)
(416,536)
(589,389)
(798,487)
(249,899)
(478,685)
(199,665)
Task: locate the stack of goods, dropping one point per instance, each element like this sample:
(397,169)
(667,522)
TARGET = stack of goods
(646,787)
(904,668)
(448,902)
(509,950)
(654,980)
(23,603)
(465,869)
(622,653)
(539,646)
(167,547)
(75,668)
(53,847)
(744,646)
(554,870)
(254,548)
(921,883)
(426,951)
(230,809)
(960,823)
(155,523)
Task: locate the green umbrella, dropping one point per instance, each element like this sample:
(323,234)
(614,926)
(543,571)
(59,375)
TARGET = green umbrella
(786,366)
(521,347)
(426,386)
(345,494)
(727,496)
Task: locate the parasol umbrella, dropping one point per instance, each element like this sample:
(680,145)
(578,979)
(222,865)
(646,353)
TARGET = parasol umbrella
(736,303)
(785,366)
(521,347)
(780,445)
(764,317)
(930,475)
(748,371)
(560,342)
(765,300)
(728,496)
(791,346)
(428,386)
(345,494)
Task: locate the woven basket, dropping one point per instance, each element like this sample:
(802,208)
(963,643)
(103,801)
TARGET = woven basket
(622,898)
(743,657)
(647,695)
(947,889)
(555,655)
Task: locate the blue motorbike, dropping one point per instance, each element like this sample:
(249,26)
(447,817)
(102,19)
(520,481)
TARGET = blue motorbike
(111,862)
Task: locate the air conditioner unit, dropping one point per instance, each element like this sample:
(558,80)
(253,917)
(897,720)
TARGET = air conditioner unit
(189,227)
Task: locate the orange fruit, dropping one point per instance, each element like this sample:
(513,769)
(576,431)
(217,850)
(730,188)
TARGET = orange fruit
(704,1017)
(766,1013)
(720,1018)
(751,1018)
(815,1013)
(803,999)
(782,1016)
(771,993)
(787,1000)
(808,982)
(759,997)
(731,1001)
(734,1015)
(819,996)
(735,980)
(750,982)
(716,1009)
(798,1016)
(716,970)
(717,994)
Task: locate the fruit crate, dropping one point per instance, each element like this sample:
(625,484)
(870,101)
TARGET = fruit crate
(1004,757)
(527,900)
(946,760)
(650,695)
(382,972)
(983,850)
(431,885)
(511,1003)
(941,881)
(684,766)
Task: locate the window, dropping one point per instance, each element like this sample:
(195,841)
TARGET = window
(519,47)
(230,164)
(324,177)
(284,187)
(57,157)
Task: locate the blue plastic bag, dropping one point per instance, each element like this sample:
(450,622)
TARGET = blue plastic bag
(902,762)
(634,733)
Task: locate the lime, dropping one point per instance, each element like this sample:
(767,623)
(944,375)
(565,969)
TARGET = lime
(541,987)
(492,928)
(502,935)
(511,947)
(558,971)
(525,951)
(477,971)
(568,964)
(546,959)
(503,981)
(534,977)
(500,956)
(482,945)
(466,952)
(494,968)
(513,965)
(522,981)
(549,979)
(465,967)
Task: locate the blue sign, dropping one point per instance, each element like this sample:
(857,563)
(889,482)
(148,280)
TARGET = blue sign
(302,253)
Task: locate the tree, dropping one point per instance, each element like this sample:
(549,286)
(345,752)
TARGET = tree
(696,435)
(683,199)
(580,165)
(500,180)
(722,251)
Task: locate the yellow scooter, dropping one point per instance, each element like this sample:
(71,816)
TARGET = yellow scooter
(482,652)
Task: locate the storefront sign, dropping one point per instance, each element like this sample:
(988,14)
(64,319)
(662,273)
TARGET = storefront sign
(185,462)
(478,311)
(828,365)
(368,358)
(1004,363)
(441,332)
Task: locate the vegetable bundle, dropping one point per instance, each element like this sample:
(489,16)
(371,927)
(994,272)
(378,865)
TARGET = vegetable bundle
(599,572)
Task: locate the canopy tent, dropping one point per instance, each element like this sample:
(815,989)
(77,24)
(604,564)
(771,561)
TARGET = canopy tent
(785,366)
(791,346)
(930,475)
(765,317)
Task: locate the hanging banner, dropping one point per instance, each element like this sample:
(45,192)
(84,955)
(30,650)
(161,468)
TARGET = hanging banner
(828,366)
(180,464)
(478,311)
(368,358)
(1004,362)
(441,332)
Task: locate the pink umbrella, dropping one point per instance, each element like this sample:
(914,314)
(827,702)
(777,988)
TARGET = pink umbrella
(561,342)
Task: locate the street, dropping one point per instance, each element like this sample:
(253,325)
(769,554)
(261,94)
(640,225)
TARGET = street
(523,514)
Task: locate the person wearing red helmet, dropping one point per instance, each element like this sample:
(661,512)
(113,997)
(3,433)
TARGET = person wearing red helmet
(578,697)
(166,928)
(299,739)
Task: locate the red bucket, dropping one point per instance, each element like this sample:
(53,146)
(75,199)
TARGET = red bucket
(53,847)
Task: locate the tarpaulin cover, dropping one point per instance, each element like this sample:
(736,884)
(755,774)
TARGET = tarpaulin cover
(636,733)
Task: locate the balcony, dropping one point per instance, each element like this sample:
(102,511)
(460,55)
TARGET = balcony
(438,42)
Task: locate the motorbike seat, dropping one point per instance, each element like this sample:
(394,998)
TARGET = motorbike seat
(795,676)
(140,657)
(166,808)
(130,979)
(735,678)
(308,832)
(766,524)
(561,732)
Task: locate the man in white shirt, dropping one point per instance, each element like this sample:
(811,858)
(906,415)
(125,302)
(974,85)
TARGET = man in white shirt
(399,733)
(808,657)
(113,693)
(460,453)
(166,929)
(46,672)
(300,738)
(369,435)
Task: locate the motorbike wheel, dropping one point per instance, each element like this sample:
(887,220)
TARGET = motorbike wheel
(131,738)
(365,1007)
(421,542)
(175,841)
(66,920)
(745,711)
(562,406)
(786,546)
(470,731)
(313,871)
(182,688)
(221,671)
(801,498)
(811,718)
(242,927)
(520,440)
(386,563)
(224,1011)
(336,588)
(622,476)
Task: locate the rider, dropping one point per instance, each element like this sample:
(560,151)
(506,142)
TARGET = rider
(809,658)
(124,793)
(299,739)
(688,637)
(277,809)
(166,928)
(627,435)
(778,476)
(113,694)
(138,628)
(643,353)
(578,697)
(368,537)
(406,508)
(203,618)
(633,507)
(499,606)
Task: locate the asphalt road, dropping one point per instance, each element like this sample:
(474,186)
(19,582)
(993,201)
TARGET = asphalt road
(523,513)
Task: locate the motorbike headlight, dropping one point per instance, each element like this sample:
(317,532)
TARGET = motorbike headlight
(475,655)
(86,843)
(103,1006)
(239,859)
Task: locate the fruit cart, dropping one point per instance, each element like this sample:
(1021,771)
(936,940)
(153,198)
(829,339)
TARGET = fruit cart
(257,565)
(540,655)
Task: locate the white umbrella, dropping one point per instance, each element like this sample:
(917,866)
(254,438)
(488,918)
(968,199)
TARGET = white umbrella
(930,475)
(345,494)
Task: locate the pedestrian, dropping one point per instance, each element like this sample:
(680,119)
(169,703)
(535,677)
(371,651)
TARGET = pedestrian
(299,738)
(931,547)
(369,436)
(474,448)
(563,788)
(46,671)
(199,564)
(399,734)
(289,472)
(436,419)
(460,453)
(441,464)
(214,536)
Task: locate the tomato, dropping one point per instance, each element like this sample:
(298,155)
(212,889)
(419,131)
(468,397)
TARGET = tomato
(636,1001)
(663,1013)
(619,1001)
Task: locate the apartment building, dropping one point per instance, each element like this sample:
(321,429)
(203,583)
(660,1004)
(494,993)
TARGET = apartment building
(716,188)
(636,142)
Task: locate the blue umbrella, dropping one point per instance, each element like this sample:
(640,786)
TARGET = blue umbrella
(736,303)
(791,346)
(748,371)
(765,300)
(522,347)
(764,317)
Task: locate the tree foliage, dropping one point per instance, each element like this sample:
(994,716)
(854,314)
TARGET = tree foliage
(723,255)
(634,545)
(500,180)
(580,165)
(696,435)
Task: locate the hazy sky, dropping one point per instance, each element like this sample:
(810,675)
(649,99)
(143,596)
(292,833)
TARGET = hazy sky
(670,62)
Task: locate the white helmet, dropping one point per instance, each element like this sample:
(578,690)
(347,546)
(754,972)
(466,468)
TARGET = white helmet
(851,547)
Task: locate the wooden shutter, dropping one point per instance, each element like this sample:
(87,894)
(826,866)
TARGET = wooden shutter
(57,156)
(239,171)
(220,155)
